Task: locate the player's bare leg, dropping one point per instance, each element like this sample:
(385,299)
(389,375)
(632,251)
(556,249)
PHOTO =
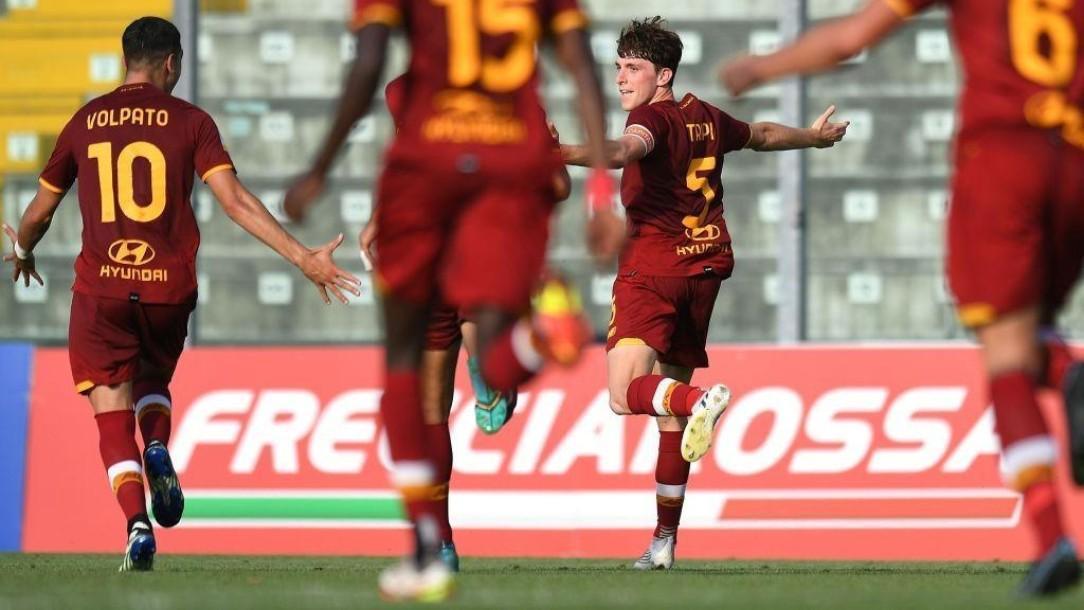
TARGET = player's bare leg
(492,409)
(1013,359)
(153,404)
(422,576)
(438,389)
(116,441)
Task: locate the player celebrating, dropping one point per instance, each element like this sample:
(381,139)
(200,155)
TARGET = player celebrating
(678,254)
(464,206)
(134,152)
(1016,220)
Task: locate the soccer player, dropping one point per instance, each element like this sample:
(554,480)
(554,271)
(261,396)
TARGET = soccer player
(134,152)
(1015,223)
(446,331)
(678,254)
(464,206)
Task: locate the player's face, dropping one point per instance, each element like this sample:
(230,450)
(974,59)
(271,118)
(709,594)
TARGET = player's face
(637,80)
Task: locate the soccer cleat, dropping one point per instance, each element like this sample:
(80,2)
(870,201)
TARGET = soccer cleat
(167,500)
(492,409)
(406,582)
(1059,569)
(139,554)
(696,440)
(1074,415)
(659,554)
(560,329)
(449,556)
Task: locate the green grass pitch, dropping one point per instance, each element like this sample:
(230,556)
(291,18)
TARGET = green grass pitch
(268,583)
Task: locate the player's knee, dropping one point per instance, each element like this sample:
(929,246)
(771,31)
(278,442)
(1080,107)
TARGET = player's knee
(619,402)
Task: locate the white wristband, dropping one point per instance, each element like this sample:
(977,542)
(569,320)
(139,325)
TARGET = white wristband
(20,253)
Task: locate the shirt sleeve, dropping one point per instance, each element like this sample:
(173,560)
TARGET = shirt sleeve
(211,156)
(906,8)
(386,12)
(564,15)
(647,125)
(735,133)
(61,169)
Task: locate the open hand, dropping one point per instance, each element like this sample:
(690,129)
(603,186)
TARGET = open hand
(23,266)
(827,132)
(321,270)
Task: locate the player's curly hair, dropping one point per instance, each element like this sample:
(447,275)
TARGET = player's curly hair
(150,40)
(649,39)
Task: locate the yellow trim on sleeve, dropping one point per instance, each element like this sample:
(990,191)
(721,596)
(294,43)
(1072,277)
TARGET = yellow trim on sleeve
(976,315)
(377,13)
(568,19)
(83,386)
(214,170)
(629,341)
(50,186)
(903,8)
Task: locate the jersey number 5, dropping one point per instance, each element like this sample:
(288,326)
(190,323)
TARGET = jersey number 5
(103,153)
(695,182)
(494,17)
(1030,21)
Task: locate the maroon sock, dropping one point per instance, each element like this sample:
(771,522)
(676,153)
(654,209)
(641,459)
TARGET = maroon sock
(678,399)
(440,451)
(413,474)
(1028,450)
(1058,361)
(510,361)
(671,476)
(152,410)
(120,455)
(1041,507)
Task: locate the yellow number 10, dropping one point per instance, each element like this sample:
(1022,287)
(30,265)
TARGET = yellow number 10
(1029,21)
(466,63)
(103,153)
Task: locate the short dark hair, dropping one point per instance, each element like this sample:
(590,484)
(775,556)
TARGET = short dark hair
(150,40)
(649,39)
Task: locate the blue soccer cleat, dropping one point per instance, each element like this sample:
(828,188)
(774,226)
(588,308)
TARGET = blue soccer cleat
(167,500)
(492,409)
(1059,569)
(139,554)
(449,556)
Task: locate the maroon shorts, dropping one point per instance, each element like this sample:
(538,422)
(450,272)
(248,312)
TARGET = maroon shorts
(461,239)
(443,330)
(668,314)
(109,339)
(1016,224)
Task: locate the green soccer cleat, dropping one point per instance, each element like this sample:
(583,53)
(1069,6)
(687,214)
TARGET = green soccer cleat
(449,556)
(492,409)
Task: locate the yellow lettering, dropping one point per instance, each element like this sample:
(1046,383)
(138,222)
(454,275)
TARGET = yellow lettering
(137,116)
(125,115)
(112,118)
(90,122)
(102,118)
(163,118)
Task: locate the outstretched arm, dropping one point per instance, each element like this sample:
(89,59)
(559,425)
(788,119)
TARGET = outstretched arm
(32,227)
(821,48)
(354,103)
(618,154)
(773,136)
(250,214)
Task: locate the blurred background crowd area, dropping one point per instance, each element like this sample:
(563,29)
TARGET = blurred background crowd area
(269,71)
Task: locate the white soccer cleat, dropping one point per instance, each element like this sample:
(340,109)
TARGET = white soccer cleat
(696,440)
(658,556)
(404,582)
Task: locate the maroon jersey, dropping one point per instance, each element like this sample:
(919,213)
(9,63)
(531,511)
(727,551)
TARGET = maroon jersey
(473,104)
(135,151)
(1022,62)
(674,195)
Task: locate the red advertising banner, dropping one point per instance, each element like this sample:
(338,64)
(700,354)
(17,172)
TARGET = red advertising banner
(824,453)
